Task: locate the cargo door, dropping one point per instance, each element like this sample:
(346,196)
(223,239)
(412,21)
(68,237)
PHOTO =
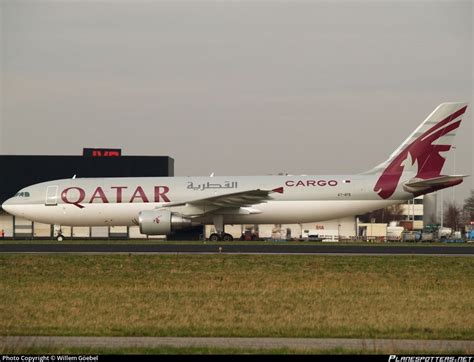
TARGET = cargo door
(52,195)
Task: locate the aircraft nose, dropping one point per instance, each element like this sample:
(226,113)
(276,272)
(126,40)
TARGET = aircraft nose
(7,205)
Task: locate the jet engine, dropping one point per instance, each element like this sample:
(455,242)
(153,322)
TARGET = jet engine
(161,222)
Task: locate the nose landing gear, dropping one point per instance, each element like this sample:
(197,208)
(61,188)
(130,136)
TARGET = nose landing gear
(58,232)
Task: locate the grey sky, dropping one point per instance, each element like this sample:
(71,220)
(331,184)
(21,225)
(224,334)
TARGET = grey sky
(234,87)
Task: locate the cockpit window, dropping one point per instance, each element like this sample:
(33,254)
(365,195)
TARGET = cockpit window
(22,194)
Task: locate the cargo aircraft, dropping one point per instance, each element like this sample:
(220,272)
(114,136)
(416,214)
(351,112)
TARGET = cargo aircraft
(161,205)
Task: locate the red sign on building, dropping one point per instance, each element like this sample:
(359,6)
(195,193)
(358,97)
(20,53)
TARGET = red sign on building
(102,152)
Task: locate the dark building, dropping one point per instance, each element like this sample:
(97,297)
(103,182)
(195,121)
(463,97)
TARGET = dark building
(17,172)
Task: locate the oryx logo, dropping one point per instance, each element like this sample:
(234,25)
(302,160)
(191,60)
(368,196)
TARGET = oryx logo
(421,151)
(157,220)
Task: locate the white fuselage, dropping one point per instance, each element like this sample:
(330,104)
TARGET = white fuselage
(118,201)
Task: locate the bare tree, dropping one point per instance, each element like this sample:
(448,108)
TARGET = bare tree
(390,213)
(469,207)
(394,213)
(453,216)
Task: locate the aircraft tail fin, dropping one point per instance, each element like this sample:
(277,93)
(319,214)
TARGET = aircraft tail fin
(419,156)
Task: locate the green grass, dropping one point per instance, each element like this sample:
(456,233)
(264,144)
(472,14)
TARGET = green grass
(237,295)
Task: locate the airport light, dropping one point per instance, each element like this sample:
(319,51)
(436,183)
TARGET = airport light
(454,170)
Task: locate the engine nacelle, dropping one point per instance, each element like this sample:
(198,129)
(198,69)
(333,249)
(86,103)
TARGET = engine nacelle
(161,222)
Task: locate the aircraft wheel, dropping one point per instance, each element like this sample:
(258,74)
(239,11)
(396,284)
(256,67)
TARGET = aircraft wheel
(60,238)
(228,237)
(214,237)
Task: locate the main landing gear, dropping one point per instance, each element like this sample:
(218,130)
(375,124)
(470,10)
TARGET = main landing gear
(220,235)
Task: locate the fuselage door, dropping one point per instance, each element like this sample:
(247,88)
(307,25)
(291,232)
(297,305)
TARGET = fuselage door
(51,196)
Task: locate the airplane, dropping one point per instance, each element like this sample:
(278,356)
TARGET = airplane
(162,205)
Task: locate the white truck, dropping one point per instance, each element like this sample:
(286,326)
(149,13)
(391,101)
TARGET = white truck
(321,235)
(394,233)
(444,232)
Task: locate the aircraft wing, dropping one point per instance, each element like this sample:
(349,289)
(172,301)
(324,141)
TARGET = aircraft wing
(228,201)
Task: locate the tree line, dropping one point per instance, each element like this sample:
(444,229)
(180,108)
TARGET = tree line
(454,216)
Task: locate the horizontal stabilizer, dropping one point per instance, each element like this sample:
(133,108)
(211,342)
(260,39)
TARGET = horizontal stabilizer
(435,183)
